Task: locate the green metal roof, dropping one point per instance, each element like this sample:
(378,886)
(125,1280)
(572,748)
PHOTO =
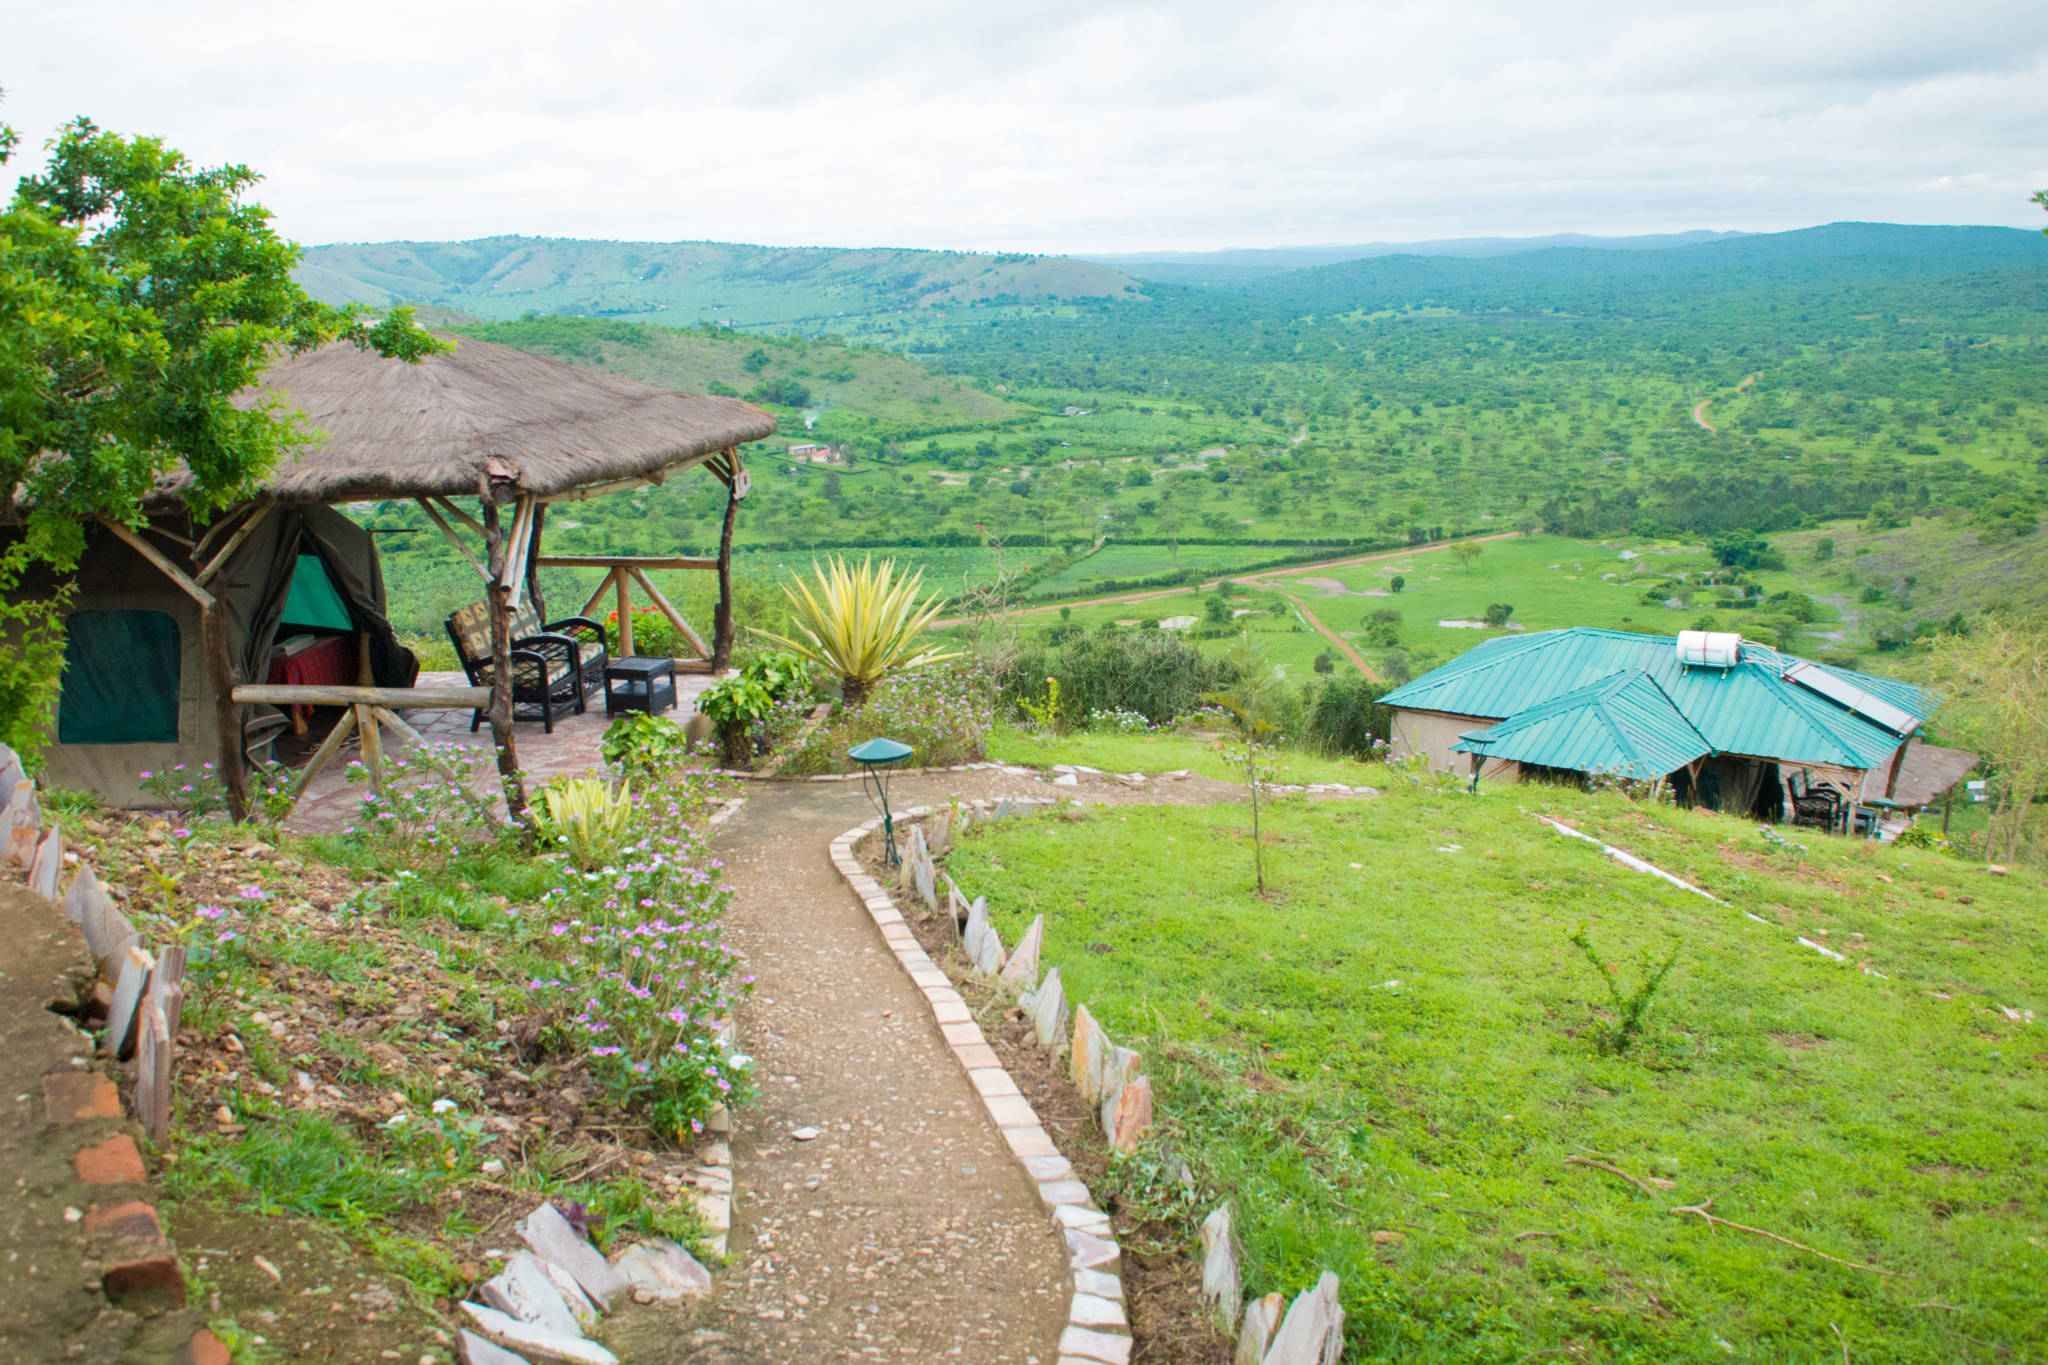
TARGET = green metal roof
(1750,708)
(1623,724)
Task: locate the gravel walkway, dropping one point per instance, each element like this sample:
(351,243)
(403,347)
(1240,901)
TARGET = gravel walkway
(904,1230)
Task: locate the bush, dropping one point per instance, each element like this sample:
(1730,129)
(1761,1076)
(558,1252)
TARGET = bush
(943,714)
(1345,717)
(1155,673)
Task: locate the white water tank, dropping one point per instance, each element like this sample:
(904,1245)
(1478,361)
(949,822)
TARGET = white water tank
(1709,649)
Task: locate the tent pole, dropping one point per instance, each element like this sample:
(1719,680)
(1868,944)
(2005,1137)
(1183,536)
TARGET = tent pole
(501,659)
(721,620)
(220,669)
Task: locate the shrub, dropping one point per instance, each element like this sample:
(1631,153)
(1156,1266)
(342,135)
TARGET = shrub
(1158,674)
(863,623)
(586,817)
(433,801)
(644,746)
(943,714)
(1345,717)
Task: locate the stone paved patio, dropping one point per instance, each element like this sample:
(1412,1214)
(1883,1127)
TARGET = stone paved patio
(330,803)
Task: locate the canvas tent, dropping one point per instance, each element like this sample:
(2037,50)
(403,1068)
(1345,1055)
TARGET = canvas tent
(136,695)
(173,625)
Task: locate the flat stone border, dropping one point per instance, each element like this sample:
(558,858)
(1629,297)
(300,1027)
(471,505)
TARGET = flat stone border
(1098,1329)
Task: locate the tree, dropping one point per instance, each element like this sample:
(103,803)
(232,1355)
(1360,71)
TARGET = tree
(1396,583)
(138,295)
(1993,686)
(1251,698)
(1465,552)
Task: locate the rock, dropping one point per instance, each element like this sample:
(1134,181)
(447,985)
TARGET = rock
(1120,1066)
(1313,1331)
(551,1237)
(1261,1316)
(47,864)
(984,946)
(536,1343)
(804,1134)
(1090,1046)
(1066,780)
(477,1351)
(524,1290)
(662,1270)
(1023,965)
(1086,1344)
(586,1313)
(1003,807)
(1130,1114)
(941,834)
(1222,1281)
(1049,1010)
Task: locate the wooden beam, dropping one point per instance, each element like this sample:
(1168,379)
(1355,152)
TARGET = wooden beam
(515,556)
(666,608)
(162,562)
(598,490)
(603,587)
(324,755)
(623,562)
(219,561)
(372,742)
(392,721)
(407,698)
(453,539)
(721,618)
(465,518)
(540,520)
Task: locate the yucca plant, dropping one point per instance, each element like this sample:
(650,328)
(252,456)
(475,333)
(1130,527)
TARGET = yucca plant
(586,817)
(861,623)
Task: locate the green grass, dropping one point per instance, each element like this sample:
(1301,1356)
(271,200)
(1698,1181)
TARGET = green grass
(1165,753)
(1893,1120)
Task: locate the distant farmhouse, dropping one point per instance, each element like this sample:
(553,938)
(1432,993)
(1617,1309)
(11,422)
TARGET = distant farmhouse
(1733,725)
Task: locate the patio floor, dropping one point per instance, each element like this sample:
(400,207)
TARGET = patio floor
(332,801)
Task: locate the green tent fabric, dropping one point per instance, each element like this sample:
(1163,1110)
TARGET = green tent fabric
(120,679)
(313,604)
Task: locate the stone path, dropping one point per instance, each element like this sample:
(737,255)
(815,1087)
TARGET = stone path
(904,1230)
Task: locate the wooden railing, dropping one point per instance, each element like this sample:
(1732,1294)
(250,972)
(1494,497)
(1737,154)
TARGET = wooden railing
(621,572)
(368,708)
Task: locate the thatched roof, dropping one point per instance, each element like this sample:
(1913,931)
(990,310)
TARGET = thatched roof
(1927,771)
(398,430)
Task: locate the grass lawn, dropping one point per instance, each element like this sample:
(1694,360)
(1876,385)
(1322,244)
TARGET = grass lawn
(1168,753)
(1386,1067)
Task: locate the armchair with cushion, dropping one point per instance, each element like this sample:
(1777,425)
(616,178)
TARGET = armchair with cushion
(551,667)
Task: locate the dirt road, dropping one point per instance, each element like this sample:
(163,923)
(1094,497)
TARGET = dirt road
(1699,409)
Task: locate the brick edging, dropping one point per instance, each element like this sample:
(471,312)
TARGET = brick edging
(1097,1325)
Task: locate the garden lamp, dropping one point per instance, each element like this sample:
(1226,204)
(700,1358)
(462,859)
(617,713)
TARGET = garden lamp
(874,758)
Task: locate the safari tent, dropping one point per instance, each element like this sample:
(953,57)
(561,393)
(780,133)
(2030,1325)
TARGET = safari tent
(173,629)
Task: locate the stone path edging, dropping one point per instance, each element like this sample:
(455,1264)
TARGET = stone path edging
(1097,1326)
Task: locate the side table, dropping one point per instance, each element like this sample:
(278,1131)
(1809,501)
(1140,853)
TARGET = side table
(639,683)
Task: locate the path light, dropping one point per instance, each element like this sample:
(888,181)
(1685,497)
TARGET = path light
(874,758)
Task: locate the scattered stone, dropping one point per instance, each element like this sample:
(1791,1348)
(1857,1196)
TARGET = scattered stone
(477,1351)
(1049,1010)
(985,949)
(581,1308)
(537,1343)
(550,1235)
(1023,964)
(941,837)
(662,1271)
(1222,1280)
(1090,1046)
(1066,780)
(804,1134)
(1130,1115)
(1261,1316)
(524,1290)
(1313,1331)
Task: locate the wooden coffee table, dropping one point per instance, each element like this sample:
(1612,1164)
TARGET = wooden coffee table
(639,683)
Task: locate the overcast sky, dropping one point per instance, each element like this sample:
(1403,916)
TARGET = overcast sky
(1059,126)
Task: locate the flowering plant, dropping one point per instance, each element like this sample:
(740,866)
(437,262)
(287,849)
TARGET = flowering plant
(433,800)
(188,790)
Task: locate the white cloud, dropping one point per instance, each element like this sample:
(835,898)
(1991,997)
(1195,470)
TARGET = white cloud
(1066,126)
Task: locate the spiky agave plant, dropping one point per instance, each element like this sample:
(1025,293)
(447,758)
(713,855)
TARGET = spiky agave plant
(861,623)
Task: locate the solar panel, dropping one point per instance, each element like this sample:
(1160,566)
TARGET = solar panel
(1841,691)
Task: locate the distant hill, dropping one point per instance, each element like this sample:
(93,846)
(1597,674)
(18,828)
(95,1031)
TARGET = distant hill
(1238,265)
(681,283)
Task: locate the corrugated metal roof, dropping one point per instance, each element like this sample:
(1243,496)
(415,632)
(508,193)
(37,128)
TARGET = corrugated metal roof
(1624,724)
(1747,709)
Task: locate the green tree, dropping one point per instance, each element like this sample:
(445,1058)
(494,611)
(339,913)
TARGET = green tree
(1252,698)
(138,295)
(1993,685)
(1396,583)
(1465,552)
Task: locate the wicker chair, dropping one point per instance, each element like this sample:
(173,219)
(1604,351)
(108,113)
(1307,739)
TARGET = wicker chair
(1815,804)
(553,668)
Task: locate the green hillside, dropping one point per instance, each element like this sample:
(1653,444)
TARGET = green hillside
(805,288)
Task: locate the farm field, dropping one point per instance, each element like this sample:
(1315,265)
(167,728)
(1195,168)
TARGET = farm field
(1392,1069)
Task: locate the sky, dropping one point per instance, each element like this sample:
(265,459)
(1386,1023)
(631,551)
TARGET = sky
(1063,127)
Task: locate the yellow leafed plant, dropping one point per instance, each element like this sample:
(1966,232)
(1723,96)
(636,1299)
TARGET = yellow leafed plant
(586,817)
(862,623)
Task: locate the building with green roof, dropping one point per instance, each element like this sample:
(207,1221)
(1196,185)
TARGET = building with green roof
(1732,723)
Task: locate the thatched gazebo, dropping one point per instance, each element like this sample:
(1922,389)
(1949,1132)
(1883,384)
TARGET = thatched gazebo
(515,431)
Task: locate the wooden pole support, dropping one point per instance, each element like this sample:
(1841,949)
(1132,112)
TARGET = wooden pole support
(402,698)
(501,658)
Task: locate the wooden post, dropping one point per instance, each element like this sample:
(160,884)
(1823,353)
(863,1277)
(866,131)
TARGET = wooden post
(625,614)
(227,716)
(721,620)
(540,608)
(372,745)
(501,658)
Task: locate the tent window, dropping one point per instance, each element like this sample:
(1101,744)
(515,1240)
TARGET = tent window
(313,604)
(120,679)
